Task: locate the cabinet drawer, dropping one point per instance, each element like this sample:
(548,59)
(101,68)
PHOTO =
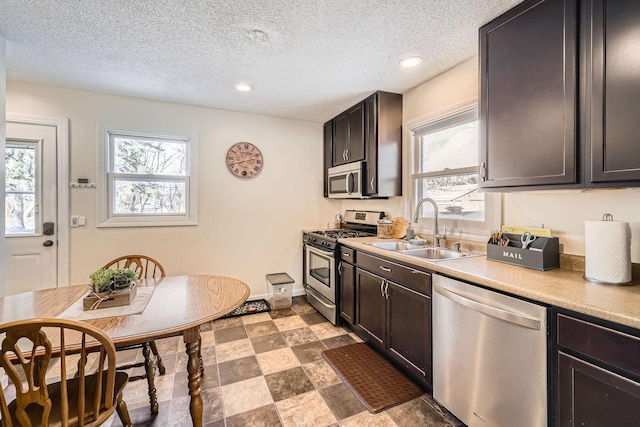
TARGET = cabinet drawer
(410,277)
(347,254)
(607,345)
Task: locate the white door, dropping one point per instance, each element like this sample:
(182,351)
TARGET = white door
(31,200)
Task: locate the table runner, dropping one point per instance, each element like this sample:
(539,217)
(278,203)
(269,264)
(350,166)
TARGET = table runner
(137,306)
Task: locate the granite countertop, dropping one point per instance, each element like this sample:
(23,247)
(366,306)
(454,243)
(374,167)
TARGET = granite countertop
(559,287)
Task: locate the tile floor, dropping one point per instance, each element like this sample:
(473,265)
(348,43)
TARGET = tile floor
(266,369)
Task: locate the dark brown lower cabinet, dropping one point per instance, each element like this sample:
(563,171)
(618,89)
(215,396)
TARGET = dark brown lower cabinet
(598,382)
(409,321)
(347,292)
(371,308)
(393,313)
(592,396)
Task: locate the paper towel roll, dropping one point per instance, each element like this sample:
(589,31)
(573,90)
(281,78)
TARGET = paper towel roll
(607,251)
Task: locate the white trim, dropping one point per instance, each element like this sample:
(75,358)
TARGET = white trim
(455,228)
(62,143)
(103,217)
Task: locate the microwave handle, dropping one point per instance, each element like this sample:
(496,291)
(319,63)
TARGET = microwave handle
(348,181)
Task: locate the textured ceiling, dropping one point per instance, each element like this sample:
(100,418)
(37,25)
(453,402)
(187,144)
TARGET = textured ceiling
(318,58)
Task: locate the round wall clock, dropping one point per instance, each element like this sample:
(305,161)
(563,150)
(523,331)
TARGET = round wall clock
(244,160)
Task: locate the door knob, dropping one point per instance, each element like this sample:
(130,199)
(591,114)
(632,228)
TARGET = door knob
(48,243)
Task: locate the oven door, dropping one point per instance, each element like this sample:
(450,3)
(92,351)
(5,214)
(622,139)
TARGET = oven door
(320,271)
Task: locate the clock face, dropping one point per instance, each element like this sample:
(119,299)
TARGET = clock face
(244,160)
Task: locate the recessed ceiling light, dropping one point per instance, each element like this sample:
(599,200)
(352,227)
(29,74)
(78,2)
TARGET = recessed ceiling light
(410,61)
(243,87)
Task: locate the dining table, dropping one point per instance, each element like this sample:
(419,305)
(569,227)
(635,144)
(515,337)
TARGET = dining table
(178,306)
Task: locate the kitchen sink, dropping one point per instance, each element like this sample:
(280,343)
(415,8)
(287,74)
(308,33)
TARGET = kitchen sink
(395,246)
(438,254)
(429,253)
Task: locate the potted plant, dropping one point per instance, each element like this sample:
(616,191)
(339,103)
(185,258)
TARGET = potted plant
(101,281)
(122,278)
(105,280)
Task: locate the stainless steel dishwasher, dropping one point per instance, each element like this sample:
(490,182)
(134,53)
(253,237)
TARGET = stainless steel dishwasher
(489,356)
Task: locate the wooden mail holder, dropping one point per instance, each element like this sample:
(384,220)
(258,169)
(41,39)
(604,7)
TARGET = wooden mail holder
(115,299)
(543,253)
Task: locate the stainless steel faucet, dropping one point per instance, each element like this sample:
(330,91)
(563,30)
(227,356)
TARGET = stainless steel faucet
(436,235)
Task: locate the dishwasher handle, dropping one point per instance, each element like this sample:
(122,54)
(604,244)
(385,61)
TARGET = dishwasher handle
(498,313)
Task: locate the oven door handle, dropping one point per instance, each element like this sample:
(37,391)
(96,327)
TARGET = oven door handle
(319,251)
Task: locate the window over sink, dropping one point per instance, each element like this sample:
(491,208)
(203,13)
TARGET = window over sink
(148,179)
(444,167)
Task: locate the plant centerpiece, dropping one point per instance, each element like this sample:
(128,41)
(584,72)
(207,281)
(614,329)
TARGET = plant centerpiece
(110,288)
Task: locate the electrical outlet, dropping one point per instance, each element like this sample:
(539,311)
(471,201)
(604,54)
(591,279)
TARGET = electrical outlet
(74,221)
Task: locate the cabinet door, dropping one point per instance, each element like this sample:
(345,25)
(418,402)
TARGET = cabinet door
(613,91)
(528,96)
(347,292)
(340,139)
(355,148)
(370,185)
(328,154)
(591,396)
(371,307)
(410,330)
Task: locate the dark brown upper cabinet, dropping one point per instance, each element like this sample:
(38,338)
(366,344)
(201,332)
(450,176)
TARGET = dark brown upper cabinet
(528,96)
(383,143)
(327,154)
(558,96)
(612,107)
(348,136)
(371,131)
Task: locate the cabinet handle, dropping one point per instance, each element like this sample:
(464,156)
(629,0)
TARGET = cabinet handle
(372,179)
(387,269)
(386,290)
(382,288)
(347,153)
(344,155)
(483,171)
(346,255)
(340,268)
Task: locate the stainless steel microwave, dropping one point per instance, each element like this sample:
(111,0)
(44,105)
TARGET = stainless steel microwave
(345,181)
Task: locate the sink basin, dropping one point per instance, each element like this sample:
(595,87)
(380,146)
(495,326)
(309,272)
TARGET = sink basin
(394,246)
(438,254)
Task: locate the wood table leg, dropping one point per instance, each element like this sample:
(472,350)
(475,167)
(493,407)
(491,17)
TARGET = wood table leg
(149,370)
(192,344)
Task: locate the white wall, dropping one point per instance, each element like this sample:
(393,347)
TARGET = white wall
(564,211)
(246,228)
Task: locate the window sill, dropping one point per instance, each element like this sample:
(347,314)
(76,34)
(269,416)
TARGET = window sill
(148,222)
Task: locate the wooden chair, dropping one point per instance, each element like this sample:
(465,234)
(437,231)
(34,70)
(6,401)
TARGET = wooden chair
(146,268)
(47,393)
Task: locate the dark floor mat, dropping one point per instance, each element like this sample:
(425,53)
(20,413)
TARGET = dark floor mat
(250,307)
(374,381)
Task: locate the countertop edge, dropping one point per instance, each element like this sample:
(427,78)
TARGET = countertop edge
(559,287)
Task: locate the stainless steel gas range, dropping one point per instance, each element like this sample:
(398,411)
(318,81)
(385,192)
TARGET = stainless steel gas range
(321,270)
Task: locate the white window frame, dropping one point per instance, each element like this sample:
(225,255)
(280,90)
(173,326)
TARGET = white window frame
(456,228)
(105,182)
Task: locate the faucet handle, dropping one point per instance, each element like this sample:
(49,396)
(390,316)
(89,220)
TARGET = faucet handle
(456,246)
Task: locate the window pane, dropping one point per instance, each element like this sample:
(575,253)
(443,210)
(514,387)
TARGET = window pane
(149,156)
(451,148)
(19,214)
(457,196)
(149,196)
(20,188)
